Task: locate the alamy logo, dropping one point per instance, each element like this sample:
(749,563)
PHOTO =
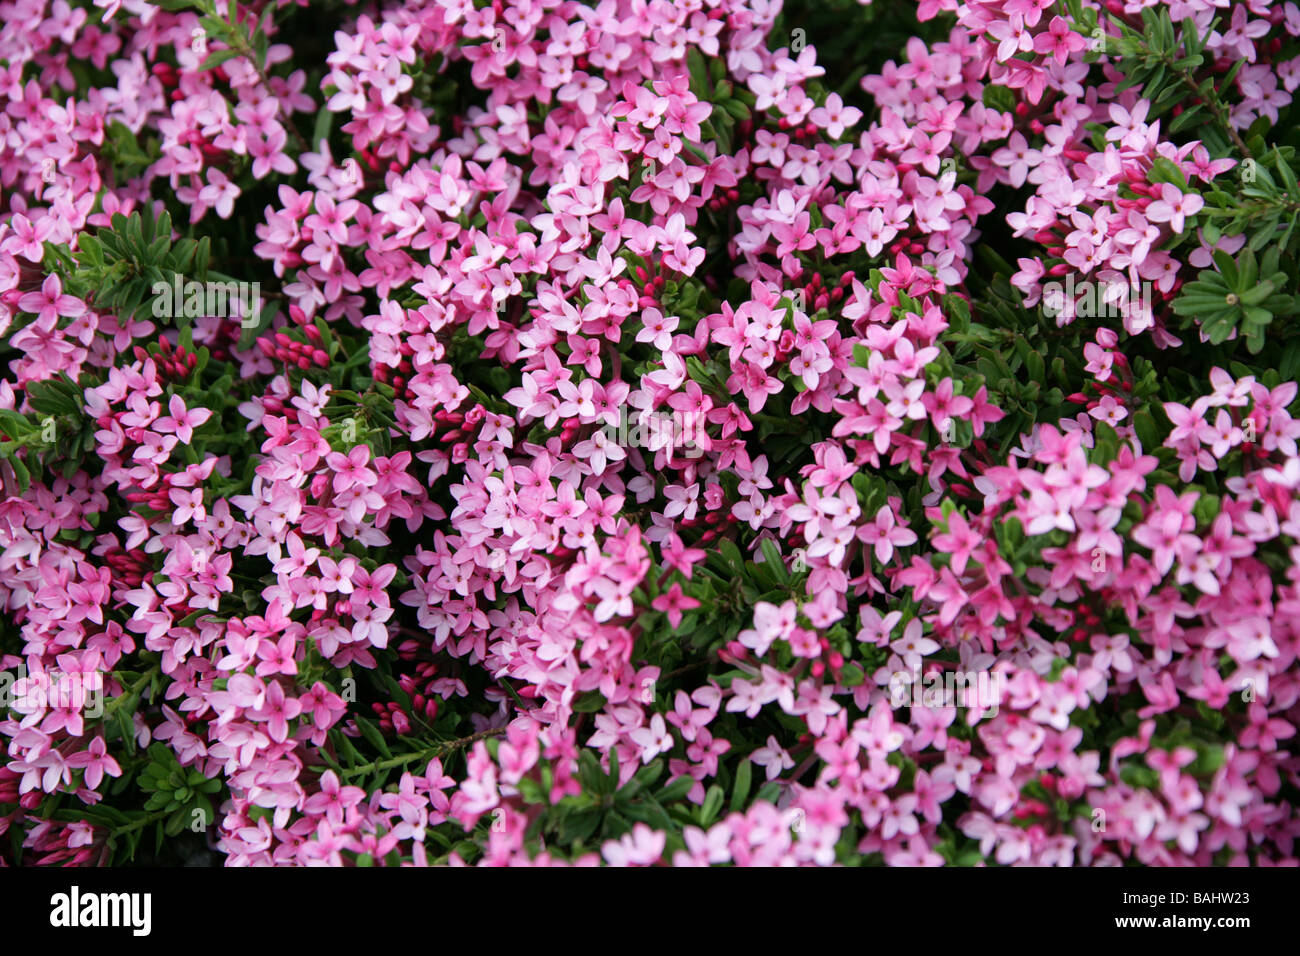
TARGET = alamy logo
(76,909)
(52,690)
(221,300)
(1116,299)
(976,690)
(655,430)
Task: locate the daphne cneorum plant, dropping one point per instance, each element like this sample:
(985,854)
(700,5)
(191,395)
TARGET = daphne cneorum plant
(979,547)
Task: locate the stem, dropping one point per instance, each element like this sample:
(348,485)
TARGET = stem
(801,769)
(445,747)
(116,702)
(685,670)
(143,821)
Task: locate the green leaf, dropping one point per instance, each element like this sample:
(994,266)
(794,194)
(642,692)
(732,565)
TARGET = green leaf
(21,473)
(1290,363)
(1258,294)
(999,98)
(647,775)
(251,333)
(217,57)
(736,109)
(772,560)
(712,804)
(14,424)
(371,732)
(744,778)
(47,399)
(321,131)
(1285,172)
(731,554)
(1247,271)
(1257,316)
(589,772)
(699,71)
(579,825)
(679,788)
(1145,426)
(1186,118)
(1227,267)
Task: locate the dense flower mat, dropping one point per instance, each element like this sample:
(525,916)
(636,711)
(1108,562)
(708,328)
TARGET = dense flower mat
(646,432)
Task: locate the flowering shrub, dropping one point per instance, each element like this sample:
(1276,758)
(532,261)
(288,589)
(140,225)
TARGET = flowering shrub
(692,432)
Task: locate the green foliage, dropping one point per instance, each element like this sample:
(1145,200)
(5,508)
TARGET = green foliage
(55,431)
(1170,68)
(181,794)
(237,37)
(1236,297)
(117,267)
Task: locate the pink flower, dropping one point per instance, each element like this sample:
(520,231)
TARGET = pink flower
(1173,206)
(96,762)
(181,421)
(641,847)
(1059,40)
(673,602)
(220,193)
(50,302)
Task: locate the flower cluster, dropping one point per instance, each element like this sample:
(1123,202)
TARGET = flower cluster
(403,568)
